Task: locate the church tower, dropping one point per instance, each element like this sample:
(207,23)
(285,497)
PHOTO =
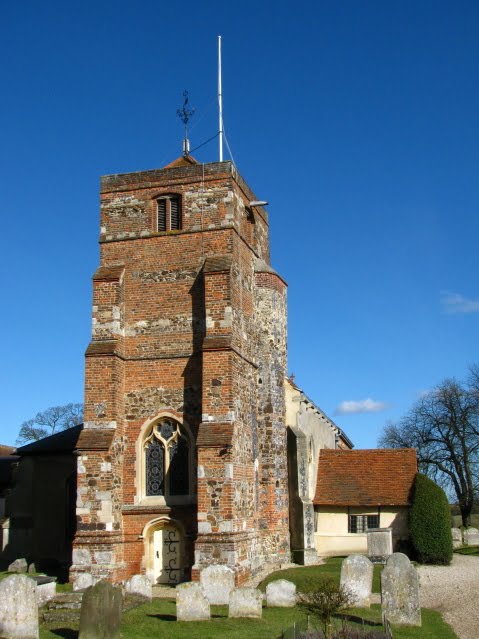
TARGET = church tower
(182,459)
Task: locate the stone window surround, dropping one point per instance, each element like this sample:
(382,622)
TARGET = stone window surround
(142,498)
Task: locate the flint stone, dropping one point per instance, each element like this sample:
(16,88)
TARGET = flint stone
(246,602)
(191,603)
(380,544)
(82,580)
(456,537)
(471,537)
(400,591)
(281,594)
(18,608)
(217,582)
(357,578)
(100,613)
(139,585)
(19,566)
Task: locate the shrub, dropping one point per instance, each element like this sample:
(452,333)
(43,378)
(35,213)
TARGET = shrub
(430,523)
(324,599)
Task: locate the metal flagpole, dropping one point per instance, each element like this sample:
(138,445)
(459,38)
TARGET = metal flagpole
(220,100)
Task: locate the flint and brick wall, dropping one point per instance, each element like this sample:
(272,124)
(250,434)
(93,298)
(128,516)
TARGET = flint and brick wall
(185,323)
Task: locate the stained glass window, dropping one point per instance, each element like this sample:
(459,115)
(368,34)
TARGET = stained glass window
(155,468)
(167,460)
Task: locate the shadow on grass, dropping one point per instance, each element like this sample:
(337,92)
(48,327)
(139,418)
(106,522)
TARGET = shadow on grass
(163,617)
(66,633)
(359,620)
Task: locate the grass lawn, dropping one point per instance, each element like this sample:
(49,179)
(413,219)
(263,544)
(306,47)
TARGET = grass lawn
(305,574)
(158,620)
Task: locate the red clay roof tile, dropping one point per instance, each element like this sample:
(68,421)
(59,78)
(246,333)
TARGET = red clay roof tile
(377,477)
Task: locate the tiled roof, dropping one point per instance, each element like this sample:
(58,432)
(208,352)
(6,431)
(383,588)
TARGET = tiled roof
(64,441)
(376,477)
(6,450)
(184,160)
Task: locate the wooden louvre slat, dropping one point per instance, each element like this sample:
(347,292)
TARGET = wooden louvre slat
(175,214)
(162,215)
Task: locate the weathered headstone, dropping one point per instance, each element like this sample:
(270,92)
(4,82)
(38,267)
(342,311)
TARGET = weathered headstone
(32,568)
(100,613)
(281,594)
(18,608)
(82,580)
(400,591)
(191,602)
(357,578)
(471,536)
(456,537)
(46,589)
(18,566)
(139,585)
(217,582)
(246,602)
(380,544)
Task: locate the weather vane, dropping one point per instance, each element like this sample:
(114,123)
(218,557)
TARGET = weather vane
(185,114)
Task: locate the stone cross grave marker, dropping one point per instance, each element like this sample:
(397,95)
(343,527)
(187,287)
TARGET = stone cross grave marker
(281,594)
(18,608)
(100,613)
(400,591)
(217,582)
(357,578)
(246,602)
(191,603)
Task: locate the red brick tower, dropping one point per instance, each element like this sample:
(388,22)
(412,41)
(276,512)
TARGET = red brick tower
(182,460)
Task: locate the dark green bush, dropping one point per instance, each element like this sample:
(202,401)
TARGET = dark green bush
(430,523)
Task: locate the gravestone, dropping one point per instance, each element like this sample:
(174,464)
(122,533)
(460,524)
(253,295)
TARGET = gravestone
(456,537)
(82,580)
(18,566)
(32,568)
(139,585)
(357,579)
(46,588)
(191,603)
(18,608)
(281,594)
(217,582)
(400,591)
(100,613)
(246,602)
(471,537)
(380,544)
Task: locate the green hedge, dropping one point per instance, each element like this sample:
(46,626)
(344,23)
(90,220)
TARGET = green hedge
(430,523)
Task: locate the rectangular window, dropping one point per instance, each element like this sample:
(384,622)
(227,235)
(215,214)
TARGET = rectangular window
(169,213)
(362,523)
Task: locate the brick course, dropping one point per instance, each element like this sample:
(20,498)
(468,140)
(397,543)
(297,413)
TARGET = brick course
(190,324)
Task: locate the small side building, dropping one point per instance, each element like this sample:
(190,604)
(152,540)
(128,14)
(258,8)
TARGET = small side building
(361,489)
(39,511)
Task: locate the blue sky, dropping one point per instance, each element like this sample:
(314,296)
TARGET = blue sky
(357,121)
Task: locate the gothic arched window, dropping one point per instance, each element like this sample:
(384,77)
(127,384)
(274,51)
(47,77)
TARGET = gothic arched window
(167,464)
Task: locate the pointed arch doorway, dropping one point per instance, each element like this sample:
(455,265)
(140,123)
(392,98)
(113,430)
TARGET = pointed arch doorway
(164,552)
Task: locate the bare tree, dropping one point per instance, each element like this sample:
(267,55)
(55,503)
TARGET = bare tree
(444,428)
(50,421)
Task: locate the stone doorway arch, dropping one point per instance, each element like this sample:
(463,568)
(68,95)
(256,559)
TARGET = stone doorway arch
(164,551)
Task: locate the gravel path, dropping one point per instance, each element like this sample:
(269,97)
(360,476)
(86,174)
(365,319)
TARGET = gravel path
(454,591)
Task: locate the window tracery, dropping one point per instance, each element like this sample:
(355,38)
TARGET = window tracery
(166,453)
